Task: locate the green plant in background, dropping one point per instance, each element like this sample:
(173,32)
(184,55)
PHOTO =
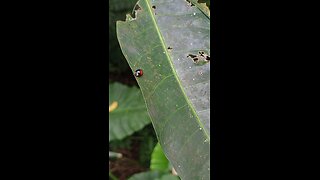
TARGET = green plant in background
(127,111)
(170,41)
(159,162)
(160,168)
(128,115)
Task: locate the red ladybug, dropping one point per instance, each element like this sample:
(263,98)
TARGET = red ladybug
(138,73)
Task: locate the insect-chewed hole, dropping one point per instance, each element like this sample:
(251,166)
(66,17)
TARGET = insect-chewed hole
(192,56)
(137,7)
(153,7)
(190,3)
(200,59)
(169,48)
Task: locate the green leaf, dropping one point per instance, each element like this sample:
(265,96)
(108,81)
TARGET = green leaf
(130,114)
(147,145)
(153,175)
(112,176)
(158,160)
(170,41)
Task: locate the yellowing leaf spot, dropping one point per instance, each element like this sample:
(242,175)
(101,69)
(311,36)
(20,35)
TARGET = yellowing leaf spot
(113,106)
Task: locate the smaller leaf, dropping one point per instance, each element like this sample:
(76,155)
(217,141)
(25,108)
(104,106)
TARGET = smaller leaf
(158,160)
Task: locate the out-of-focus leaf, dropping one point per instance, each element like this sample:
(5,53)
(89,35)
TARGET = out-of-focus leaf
(122,5)
(153,175)
(169,177)
(147,144)
(125,143)
(170,41)
(158,160)
(130,115)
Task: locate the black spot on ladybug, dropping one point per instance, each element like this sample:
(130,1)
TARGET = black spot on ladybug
(138,73)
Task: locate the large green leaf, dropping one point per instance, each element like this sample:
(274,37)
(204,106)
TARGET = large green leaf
(130,113)
(170,41)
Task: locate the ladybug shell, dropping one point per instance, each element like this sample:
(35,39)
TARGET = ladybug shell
(138,73)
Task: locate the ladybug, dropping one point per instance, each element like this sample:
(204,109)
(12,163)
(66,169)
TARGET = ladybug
(138,73)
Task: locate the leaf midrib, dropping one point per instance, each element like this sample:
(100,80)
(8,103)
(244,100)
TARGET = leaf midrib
(174,72)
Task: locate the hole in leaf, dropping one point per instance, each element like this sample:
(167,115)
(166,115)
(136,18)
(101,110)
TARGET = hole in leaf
(137,8)
(153,7)
(169,48)
(192,56)
(190,3)
(200,59)
(135,11)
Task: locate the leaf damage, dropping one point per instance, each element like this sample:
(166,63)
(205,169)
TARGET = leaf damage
(200,59)
(135,11)
(201,6)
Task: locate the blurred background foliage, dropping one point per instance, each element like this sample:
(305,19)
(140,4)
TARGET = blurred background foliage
(136,154)
(117,11)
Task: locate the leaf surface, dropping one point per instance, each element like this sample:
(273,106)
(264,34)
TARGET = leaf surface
(170,41)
